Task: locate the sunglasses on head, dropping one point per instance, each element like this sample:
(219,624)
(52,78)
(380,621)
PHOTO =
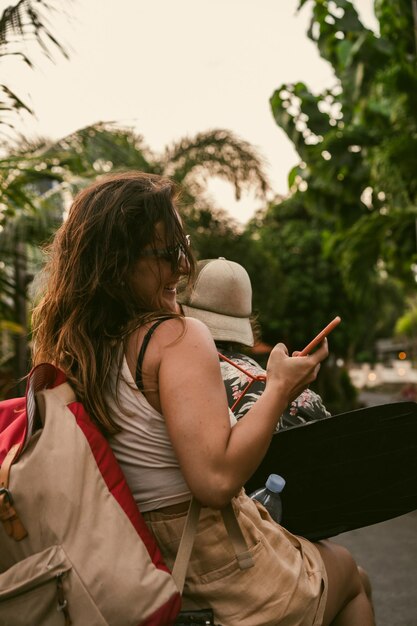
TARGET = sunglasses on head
(173,255)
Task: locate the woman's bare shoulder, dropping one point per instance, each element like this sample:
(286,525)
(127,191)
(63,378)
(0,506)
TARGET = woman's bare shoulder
(176,338)
(175,329)
(184,330)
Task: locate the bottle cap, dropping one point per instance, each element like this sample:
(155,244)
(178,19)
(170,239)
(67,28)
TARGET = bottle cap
(275,483)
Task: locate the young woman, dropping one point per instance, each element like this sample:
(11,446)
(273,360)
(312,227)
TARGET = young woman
(112,274)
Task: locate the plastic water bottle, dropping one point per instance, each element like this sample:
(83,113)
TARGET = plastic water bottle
(270,496)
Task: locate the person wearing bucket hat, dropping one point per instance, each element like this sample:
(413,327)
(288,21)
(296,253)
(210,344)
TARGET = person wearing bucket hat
(221,297)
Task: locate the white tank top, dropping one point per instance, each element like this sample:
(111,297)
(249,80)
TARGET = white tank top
(143,448)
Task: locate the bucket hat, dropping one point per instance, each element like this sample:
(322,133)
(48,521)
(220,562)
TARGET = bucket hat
(221,297)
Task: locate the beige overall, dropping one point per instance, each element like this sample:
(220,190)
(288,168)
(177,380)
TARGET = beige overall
(287,585)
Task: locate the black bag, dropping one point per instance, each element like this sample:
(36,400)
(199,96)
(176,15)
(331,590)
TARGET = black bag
(204,617)
(345,472)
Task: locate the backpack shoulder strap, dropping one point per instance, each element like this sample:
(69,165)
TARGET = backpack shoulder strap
(241,369)
(8,516)
(146,340)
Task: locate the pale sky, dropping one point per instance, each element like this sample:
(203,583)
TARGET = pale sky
(173,68)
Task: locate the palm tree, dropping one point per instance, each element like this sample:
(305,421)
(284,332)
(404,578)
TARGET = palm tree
(20,176)
(26,20)
(29,213)
(191,162)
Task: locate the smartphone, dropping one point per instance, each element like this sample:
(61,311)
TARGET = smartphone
(319,338)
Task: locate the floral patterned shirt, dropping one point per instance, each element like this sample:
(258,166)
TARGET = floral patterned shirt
(306,408)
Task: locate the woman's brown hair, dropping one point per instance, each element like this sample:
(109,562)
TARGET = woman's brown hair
(88,307)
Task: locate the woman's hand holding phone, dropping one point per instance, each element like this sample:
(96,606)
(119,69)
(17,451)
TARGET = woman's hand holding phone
(319,338)
(295,375)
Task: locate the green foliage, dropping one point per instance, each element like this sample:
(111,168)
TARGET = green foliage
(30,211)
(406,325)
(305,287)
(357,142)
(299,285)
(345,239)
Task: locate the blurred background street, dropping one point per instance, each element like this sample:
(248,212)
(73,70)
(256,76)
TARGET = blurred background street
(388,552)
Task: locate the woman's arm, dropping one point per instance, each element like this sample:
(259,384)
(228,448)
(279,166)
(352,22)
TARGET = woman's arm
(217,460)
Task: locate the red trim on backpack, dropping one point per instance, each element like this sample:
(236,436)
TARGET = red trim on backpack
(115,479)
(13,424)
(13,412)
(117,485)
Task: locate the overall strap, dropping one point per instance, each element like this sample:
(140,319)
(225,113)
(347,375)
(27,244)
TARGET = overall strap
(146,339)
(236,536)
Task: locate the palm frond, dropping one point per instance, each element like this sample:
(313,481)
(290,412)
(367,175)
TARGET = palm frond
(219,153)
(12,102)
(101,147)
(27,18)
(24,20)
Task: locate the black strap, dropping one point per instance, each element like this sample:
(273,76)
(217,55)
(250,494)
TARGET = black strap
(146,339)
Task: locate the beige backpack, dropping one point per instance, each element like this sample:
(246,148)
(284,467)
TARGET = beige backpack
(74,548)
